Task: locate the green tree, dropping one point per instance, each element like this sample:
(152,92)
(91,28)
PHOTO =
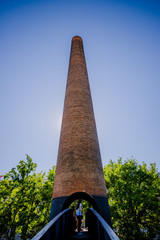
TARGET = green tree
(25,200)
(134,193)
(46,194)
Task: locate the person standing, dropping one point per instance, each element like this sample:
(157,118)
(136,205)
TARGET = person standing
(79,214)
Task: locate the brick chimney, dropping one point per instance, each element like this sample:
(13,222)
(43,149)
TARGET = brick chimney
(79,165)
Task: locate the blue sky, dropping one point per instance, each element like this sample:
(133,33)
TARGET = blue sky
(121,42)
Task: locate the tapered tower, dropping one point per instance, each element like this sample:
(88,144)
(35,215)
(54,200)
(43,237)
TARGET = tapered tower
(79,167)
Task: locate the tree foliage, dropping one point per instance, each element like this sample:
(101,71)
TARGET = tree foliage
(134,194)
(25,199)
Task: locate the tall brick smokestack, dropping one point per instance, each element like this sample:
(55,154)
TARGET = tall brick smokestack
(79,166)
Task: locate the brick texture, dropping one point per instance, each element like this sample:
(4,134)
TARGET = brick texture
(79,166)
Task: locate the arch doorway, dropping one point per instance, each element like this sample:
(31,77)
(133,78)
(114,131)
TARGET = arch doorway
(80,195)
(87,201)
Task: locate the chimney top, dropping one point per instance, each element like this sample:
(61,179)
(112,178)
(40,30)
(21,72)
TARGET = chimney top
(76,38)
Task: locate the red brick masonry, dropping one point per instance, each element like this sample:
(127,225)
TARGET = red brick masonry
(79,166)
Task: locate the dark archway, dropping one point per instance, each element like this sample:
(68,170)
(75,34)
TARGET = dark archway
(81,195)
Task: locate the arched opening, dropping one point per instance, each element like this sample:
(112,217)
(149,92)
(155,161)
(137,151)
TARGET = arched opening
(86,202)
(80,195)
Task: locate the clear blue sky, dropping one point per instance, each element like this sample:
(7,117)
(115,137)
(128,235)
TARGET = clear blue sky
(122,47)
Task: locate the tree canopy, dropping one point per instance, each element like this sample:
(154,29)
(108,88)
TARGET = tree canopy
(133,193)
(25,199)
